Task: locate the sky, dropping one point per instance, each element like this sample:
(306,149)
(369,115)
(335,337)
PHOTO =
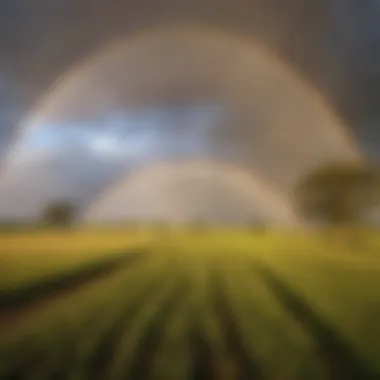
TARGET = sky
(203,96)
(78,161)
(334,42)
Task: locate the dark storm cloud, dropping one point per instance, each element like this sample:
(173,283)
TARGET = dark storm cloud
(334,42)
(10,109)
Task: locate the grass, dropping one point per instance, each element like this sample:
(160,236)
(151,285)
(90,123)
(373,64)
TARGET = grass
(220,304)
(27,257)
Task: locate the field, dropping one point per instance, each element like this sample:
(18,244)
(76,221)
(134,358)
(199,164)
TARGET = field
(182,304)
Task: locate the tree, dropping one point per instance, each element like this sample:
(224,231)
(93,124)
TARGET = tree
(339,193)
(60,213)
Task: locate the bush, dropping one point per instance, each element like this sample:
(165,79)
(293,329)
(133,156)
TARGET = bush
(338,194)
(60,213)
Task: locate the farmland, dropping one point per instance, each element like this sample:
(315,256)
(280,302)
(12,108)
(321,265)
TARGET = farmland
(182,304)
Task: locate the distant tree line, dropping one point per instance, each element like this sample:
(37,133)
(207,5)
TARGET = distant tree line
(334,195)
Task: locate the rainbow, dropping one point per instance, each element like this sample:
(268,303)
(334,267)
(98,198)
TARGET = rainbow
(301,122)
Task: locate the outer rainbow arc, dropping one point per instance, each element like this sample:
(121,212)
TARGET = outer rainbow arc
(57,92)
(64,82)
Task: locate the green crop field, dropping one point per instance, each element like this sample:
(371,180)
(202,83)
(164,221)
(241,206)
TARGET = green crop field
(182,304)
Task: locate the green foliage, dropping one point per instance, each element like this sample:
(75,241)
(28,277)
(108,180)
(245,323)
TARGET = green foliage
(61,213)
(339,194)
